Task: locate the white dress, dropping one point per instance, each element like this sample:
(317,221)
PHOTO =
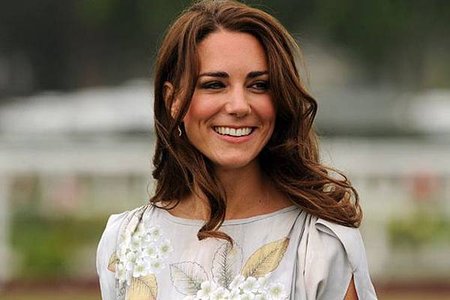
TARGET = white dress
(148,253)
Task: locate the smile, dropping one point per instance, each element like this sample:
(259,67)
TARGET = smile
(233,131)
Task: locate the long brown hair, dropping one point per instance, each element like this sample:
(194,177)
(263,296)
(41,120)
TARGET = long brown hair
(291,157)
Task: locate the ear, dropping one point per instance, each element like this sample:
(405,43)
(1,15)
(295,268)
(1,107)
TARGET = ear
(172,104)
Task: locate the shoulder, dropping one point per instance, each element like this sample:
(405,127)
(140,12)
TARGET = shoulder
(115,225)
(110,233)
(327,246)
(115,222)
(347,240)
(334,254)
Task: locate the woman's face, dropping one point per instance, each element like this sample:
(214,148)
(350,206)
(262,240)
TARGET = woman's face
(231,116)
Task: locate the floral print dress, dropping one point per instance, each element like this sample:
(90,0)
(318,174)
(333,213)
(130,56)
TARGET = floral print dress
(148,253)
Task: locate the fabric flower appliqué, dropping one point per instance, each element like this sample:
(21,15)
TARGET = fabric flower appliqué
(241,288)
(141,252)
(230,278)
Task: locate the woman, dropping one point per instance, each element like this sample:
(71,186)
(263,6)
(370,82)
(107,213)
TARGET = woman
(242,209)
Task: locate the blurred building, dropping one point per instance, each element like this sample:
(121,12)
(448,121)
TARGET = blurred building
(87,154)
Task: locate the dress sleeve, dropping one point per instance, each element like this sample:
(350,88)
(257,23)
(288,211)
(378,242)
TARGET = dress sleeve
(335,254)
(106,248)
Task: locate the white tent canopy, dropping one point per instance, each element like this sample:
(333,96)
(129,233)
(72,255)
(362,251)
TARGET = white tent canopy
(129,108)
(124,108)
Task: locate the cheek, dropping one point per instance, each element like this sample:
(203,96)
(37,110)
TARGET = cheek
(199,110)
(266,110)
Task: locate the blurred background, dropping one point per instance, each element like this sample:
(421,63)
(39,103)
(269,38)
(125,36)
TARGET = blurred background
(76,130)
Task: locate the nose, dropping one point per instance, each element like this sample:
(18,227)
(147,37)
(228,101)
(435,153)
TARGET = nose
(237,103)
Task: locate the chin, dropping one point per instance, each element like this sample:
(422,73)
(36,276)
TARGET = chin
(234,164)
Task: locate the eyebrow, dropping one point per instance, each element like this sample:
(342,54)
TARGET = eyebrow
(222,74)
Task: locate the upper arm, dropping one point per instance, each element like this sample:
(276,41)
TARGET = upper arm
(351,291)
(335,266)
(106,247)
(327,270)
(358,285)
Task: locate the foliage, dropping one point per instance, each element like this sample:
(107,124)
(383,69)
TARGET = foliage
(68,44)
(46,246)
(419,229)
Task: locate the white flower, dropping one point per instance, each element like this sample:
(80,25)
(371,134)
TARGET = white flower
(263,280)
(121,272)
(155,233)
(241,288)
(165,247)
(248,296)
(220,294)
(237,282)
(141,252)
(131,257)
(206,290)
(129,265)
(234,295)
(156,265)
(276,291)
(135,243)
(141,268)
(150,251)
(250,285)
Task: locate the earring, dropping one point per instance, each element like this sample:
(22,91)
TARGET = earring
(179,131)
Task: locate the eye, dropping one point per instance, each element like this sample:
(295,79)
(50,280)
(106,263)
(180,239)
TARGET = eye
(260,86)
(212,85)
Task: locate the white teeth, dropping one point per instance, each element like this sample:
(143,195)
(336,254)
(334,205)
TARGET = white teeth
(232,131)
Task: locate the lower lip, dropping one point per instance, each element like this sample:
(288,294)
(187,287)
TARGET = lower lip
(235,139)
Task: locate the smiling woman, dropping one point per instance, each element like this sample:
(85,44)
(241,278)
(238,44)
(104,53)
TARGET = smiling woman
(231,115)
(243,209)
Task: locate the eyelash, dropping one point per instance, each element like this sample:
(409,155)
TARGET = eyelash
(213,85)
(262,85)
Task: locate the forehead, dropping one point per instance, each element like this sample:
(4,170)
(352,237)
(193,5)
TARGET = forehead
(222,50)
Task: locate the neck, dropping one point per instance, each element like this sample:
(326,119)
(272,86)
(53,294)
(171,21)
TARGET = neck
(245,188)
(248,191)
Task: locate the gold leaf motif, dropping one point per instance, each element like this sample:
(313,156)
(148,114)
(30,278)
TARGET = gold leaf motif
(265,259)
(112,262)
(143,288)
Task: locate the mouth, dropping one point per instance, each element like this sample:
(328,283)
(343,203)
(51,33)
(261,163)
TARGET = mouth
(235,132)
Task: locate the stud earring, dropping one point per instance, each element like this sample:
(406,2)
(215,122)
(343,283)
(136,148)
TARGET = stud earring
(179,131)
